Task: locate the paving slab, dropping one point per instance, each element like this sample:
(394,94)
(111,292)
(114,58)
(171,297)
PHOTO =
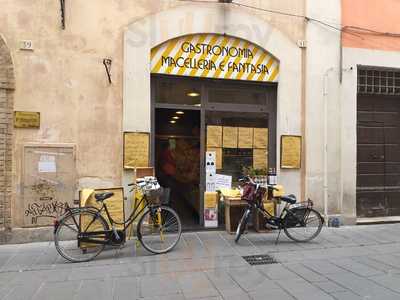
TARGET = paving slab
(351,262)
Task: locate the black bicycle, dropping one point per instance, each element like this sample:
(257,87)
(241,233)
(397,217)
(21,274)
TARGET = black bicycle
(300,222)
(82,233)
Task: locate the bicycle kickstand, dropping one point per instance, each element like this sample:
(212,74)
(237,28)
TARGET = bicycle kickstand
(277,238)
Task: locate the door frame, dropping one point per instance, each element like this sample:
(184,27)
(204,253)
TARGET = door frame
(270,108)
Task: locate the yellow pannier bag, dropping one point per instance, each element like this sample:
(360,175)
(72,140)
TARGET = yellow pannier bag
(278,191)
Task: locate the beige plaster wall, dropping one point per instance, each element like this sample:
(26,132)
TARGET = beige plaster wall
(64,79)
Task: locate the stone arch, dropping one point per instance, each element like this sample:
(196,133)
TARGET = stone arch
(144,34)
(7,85)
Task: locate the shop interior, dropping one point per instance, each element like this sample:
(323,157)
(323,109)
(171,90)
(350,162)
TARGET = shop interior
(177,151)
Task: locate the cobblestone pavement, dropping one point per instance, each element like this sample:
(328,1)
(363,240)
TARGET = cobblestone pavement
(357,262)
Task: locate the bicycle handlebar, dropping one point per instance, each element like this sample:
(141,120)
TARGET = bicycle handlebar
(248,179)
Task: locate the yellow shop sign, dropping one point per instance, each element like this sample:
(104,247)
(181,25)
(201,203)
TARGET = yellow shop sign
(214,56)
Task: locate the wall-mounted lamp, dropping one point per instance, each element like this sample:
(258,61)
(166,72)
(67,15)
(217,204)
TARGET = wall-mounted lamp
(62,8)
(107,64)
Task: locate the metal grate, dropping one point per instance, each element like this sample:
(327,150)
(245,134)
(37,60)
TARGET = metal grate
(378,82)
(262,259)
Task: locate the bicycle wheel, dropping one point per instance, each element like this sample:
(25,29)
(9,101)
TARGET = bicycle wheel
(66,235)
(304,225)
(159,229)
(242,225)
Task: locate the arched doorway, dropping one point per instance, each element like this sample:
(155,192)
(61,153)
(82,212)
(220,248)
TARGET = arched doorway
(217,94)
(7,86)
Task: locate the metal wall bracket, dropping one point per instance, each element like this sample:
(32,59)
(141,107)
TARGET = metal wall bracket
(62,7)
(107,64)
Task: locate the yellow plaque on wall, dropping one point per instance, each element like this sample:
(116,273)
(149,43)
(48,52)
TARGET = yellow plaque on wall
(214,136)
(26,119)
(290,152)
(230,137)
(136,150)
(245,137)
(218,157)
(260,140)
(260,159)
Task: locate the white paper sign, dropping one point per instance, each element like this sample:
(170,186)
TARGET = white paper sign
(223,181)
(47,164)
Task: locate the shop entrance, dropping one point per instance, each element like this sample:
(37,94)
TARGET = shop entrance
(177,160)
(190,116)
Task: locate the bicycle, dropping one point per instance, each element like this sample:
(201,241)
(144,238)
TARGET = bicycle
(82,233)
(295,219)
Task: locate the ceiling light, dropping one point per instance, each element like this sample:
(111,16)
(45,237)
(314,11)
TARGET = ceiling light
(175,117)
(179,112)
(172,121)
(193,94)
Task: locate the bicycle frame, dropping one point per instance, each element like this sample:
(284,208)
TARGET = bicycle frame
(88,237)
(284,213)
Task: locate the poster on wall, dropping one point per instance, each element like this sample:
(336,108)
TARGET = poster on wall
(260,140)
(136,150)
(245,137)
(230,137)
(290,152)
(214,136)
(260,157)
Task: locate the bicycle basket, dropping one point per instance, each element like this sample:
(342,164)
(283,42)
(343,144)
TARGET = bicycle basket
(153,194)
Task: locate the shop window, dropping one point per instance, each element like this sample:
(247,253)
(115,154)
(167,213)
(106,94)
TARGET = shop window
(248,94)
(239,151)
(178,91)
(378,82)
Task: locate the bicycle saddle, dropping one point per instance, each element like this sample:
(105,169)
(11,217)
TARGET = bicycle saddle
(289,198)
(103,196)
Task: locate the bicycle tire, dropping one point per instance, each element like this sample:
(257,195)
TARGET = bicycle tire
(242,225)
(68,246)
(149,229)
(294,231)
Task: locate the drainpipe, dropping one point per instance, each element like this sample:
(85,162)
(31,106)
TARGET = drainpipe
(325,97)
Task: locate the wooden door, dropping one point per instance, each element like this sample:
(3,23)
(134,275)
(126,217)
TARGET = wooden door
(378,156)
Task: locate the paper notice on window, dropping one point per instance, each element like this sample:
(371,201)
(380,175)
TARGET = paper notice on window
(210,199)
(214,136)
(218,156)
(245,137)
(291,152)
(47,164)
(223,182)
(230,137)
(260,138)
(136,150)
(260,159)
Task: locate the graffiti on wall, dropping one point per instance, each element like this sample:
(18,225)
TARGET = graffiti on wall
(48,184)
(51,209)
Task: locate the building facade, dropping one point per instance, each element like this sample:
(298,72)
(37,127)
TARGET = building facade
(97,72)
(370,95)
